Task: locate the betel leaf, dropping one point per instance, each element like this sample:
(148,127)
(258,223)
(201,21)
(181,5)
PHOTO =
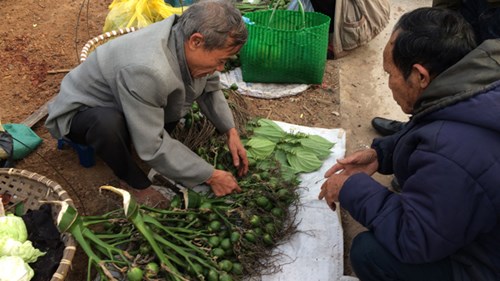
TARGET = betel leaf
(317,141)
(317,145)
(269,130)
(304,161)
(286,147)
(319,152)
(260,148)
(280,156)
(263,122)
(292,139)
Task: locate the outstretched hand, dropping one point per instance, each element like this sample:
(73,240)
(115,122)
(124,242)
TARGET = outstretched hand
(361,161)
(330,189)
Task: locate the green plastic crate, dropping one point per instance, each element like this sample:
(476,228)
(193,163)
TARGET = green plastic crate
(285,47)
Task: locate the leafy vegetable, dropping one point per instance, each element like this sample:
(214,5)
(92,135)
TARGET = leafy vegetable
(295,152)
(14,268)
(317,145)
(269,130)
(12,226)
(303,161)
(260,148)
(25,250)
(14,239)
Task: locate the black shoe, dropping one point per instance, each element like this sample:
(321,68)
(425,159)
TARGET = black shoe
(387,127)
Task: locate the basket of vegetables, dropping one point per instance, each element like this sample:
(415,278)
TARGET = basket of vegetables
(22,249)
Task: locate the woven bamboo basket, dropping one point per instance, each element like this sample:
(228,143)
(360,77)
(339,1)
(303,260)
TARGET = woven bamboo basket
(31,188)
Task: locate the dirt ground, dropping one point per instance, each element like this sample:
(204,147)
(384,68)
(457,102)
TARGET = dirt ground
(41,41)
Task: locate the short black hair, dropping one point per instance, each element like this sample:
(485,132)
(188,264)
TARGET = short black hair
(433,37)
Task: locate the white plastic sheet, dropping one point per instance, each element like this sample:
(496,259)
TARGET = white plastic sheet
(315,252)
(260,90)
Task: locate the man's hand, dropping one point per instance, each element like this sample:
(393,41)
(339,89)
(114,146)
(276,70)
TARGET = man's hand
(223,183)
(238,152)
(362,161)
(330,189)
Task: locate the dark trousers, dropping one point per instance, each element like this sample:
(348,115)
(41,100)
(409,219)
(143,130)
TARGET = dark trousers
(105,130)
(326,7)
(484,19)
(372,262)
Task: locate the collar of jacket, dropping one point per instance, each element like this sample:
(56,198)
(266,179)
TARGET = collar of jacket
(473,74)
(177,43)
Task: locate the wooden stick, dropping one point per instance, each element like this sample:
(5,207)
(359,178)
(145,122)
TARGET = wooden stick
(56,71)
(307,109)
(324,101)
(269,113)
(37,115)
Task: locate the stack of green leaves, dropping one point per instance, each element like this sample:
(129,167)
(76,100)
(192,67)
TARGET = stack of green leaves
(296,152)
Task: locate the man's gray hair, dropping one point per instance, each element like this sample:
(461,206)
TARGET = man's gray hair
(216,20)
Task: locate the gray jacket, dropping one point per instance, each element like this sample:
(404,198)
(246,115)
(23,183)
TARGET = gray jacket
(144,74)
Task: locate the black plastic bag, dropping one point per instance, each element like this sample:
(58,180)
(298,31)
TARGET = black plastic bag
(6,148)
(45,236)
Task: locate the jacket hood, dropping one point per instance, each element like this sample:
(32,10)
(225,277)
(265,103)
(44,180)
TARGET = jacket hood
(468,92)
(473,74)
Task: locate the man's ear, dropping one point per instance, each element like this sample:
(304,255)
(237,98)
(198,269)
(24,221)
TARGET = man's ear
(424,78)
(196,41)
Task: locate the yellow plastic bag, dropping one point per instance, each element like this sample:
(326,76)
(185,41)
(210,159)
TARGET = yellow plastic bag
(138,13)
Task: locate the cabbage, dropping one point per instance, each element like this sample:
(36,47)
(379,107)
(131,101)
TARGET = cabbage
(14,239)
(12,226)
(25,250)
(15,269)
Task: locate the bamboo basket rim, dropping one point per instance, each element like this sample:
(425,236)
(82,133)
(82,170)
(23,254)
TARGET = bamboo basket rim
(103,38)
(33,187)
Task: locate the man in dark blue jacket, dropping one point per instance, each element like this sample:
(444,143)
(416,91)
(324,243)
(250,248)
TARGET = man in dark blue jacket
(445,223)
(482,15)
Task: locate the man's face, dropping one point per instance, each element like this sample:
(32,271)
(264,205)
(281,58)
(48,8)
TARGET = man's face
(404,91)
(202,62)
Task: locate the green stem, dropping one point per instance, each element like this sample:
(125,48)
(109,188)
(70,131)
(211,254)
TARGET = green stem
(111,214)
(110,250)
(137,219)
(165,212)
(150,220)
(223,218)
(183,252)
(215,159)
(112,236)
(77,232)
